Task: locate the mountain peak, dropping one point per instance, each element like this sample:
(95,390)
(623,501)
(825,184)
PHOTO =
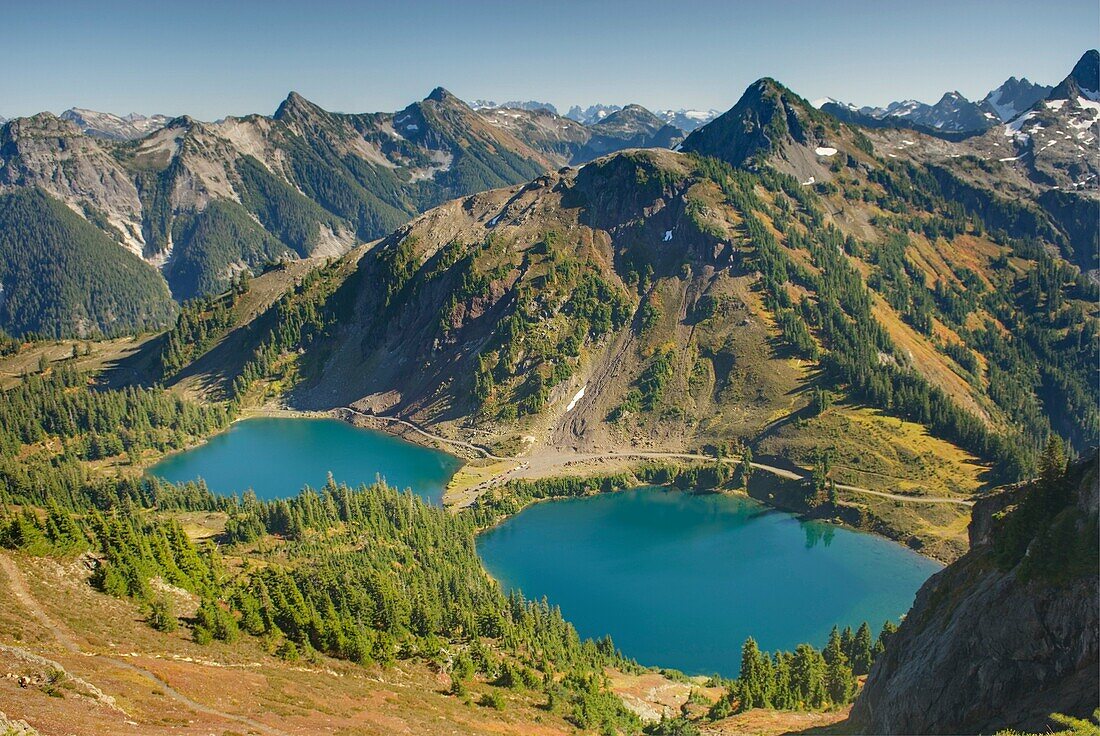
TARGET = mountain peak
(1083,80)
(440,94)
(295,105)
(767,116)
(39,125)
(632,113)
(769,85)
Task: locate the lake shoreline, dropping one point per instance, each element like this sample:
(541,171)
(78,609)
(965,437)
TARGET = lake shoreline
(850,517)
(277,454)
(646,549)
(407,434)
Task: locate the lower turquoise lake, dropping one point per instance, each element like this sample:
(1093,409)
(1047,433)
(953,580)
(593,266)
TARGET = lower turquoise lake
(680,580)
(277,456)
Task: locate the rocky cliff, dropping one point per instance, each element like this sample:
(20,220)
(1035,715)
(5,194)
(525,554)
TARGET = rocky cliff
(1009,633)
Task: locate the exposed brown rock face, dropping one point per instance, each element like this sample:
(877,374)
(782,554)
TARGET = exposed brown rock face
(982,650)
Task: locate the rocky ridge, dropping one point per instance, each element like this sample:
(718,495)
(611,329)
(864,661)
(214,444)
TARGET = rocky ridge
(987,646)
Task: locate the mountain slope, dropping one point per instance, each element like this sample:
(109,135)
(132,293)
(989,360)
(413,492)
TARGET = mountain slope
(695,304)
(1008,634)
(114,127)
(565,141)
(1045,156)
(51,154)
(204,201)
(558,138)
(75,280)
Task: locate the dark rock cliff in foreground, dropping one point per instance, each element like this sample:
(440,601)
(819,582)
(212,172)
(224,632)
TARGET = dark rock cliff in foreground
(1009,633)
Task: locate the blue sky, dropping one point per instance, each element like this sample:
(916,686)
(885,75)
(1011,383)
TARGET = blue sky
(210,59)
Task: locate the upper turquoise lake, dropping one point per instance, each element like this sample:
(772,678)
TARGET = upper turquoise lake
(680,580)
(277,456)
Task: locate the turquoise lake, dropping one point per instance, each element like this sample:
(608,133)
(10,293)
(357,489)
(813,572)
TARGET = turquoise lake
(276,457)
(677,579)
(680,580)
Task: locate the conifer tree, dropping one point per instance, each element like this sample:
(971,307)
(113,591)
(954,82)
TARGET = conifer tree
(753,685)
(862,650)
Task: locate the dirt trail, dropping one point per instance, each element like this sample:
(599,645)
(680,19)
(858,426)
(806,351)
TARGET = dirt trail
(23,594)
(420,430)
(539,465)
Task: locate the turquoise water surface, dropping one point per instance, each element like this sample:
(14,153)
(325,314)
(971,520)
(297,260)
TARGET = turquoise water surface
(680,580)
(277,456)
(677,580)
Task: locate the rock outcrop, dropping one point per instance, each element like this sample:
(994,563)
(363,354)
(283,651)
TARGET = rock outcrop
(989,645)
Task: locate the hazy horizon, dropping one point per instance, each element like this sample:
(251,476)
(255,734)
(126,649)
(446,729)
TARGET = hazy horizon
(214,61)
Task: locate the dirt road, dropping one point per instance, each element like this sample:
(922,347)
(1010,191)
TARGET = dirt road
(542,465)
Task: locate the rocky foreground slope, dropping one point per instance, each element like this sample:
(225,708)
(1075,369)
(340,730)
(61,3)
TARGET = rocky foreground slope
(1008,634)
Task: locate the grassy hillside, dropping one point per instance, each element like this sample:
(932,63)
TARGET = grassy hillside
(705,303)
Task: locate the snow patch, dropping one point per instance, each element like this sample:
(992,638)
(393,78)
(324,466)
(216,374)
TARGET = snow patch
(668,236)
(1088,104)
(1014,127)
(576,397)
(1054,104)
(1006,111)
(825,151)
(809,181)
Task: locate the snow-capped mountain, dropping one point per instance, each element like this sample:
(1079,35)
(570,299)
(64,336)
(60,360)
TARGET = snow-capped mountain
(952,114)
(592,113)
(514,105)
(1013,97)
(1056,139)
(687,120)
(114,127)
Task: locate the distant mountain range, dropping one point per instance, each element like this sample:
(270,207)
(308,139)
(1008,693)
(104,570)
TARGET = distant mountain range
(107,125)
(568,142)
(592,113)
(200,202)
(953,113)
(515,105)
(685,119)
